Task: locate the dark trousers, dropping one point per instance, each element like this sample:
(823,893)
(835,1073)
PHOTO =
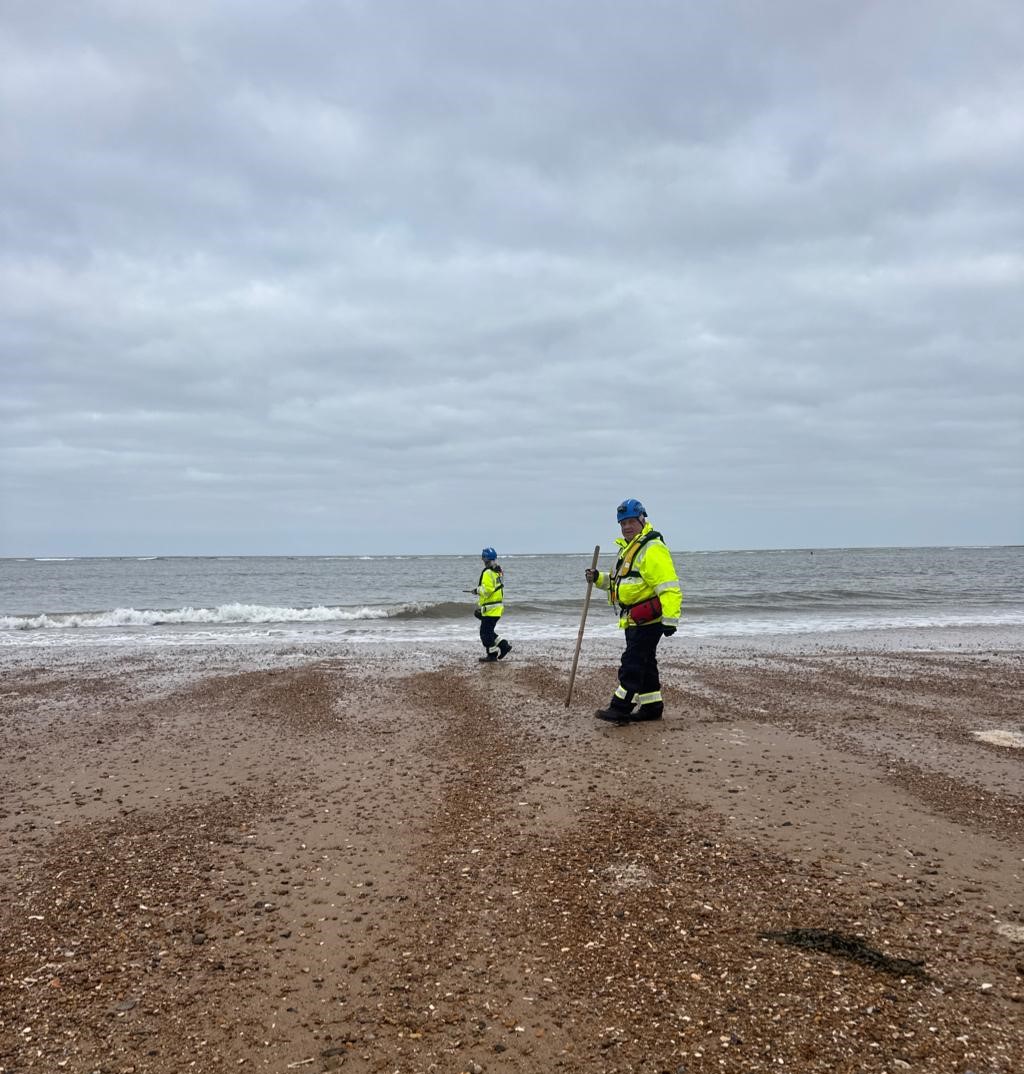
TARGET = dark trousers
(489,631)
(638,670)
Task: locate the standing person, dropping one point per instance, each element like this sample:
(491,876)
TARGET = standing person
(644,587)
(489,598)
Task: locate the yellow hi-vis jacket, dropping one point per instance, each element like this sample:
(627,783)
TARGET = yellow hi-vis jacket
(644,570)
(489,592)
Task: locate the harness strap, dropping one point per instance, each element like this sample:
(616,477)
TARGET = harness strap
(624,566)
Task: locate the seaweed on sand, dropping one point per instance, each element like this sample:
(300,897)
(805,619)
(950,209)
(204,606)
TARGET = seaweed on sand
(849,947)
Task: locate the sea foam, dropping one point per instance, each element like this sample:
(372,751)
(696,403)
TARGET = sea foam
(226,613)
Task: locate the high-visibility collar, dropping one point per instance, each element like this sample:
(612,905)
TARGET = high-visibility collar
(624,564)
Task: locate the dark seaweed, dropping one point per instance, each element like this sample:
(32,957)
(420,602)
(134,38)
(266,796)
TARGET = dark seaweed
(849,947)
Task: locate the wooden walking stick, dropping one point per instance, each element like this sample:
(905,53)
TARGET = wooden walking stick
(583,623)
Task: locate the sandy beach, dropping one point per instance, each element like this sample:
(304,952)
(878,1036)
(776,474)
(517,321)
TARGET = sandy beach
(370,859)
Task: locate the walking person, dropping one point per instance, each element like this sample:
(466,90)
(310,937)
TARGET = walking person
(490,605)
(644,587)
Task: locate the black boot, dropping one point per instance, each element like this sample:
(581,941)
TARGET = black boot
(614,713)
(490,658)
(504,648)
(654,711)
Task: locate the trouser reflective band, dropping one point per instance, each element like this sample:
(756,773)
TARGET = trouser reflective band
(621,701)
(649,699)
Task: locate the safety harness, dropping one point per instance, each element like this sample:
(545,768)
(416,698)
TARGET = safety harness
(645,610)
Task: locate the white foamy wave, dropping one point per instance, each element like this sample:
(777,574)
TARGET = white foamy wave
(226,613)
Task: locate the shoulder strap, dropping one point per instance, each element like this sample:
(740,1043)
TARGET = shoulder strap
(625,561)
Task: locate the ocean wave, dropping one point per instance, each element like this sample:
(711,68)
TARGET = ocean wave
(226,613)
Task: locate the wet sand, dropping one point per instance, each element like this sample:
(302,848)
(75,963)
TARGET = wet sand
(361,859)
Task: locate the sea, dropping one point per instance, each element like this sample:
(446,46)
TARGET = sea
(166,601)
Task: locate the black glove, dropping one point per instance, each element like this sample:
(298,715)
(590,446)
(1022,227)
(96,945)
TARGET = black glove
(668,631)
(590,574)
(477,613)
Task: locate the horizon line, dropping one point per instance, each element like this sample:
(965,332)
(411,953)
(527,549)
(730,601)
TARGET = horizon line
(469,555)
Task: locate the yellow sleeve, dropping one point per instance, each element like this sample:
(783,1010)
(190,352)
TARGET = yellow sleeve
(659,572)
(486,588)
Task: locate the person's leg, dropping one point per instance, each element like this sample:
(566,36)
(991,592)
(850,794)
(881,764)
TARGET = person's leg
(638,678)
(631,679)
(504,646)
(649,698)
(488,626)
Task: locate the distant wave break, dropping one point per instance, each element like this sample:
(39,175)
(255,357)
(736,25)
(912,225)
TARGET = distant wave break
(226,613)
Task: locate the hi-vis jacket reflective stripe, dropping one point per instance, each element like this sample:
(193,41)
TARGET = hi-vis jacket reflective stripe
(643,570)
(489,592)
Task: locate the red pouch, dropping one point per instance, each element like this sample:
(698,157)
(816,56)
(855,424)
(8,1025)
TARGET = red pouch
(646,611)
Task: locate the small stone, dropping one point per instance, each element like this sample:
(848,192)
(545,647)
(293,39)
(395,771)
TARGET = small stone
(199,938)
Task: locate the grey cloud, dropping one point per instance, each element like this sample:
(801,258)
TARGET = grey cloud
(436,255)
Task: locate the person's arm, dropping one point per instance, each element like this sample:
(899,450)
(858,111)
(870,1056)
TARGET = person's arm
(485,590)
(659,572)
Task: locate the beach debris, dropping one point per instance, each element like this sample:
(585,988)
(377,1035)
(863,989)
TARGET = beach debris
(1013,740)
(849,947)
(1011,932)
(624,875)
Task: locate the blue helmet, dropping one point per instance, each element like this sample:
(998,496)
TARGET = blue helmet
(629,509)
(488,553)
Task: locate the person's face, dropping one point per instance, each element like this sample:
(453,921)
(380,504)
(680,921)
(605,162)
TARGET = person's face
(631,527)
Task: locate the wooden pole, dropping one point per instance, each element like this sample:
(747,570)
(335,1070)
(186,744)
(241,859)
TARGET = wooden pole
(583,623)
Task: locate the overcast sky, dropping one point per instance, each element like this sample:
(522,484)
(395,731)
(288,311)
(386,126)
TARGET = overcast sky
(399,276)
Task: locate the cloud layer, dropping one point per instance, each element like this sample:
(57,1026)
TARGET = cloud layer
(343,277)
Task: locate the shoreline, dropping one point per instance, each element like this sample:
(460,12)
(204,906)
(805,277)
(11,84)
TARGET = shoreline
(372,858)
(73,646)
